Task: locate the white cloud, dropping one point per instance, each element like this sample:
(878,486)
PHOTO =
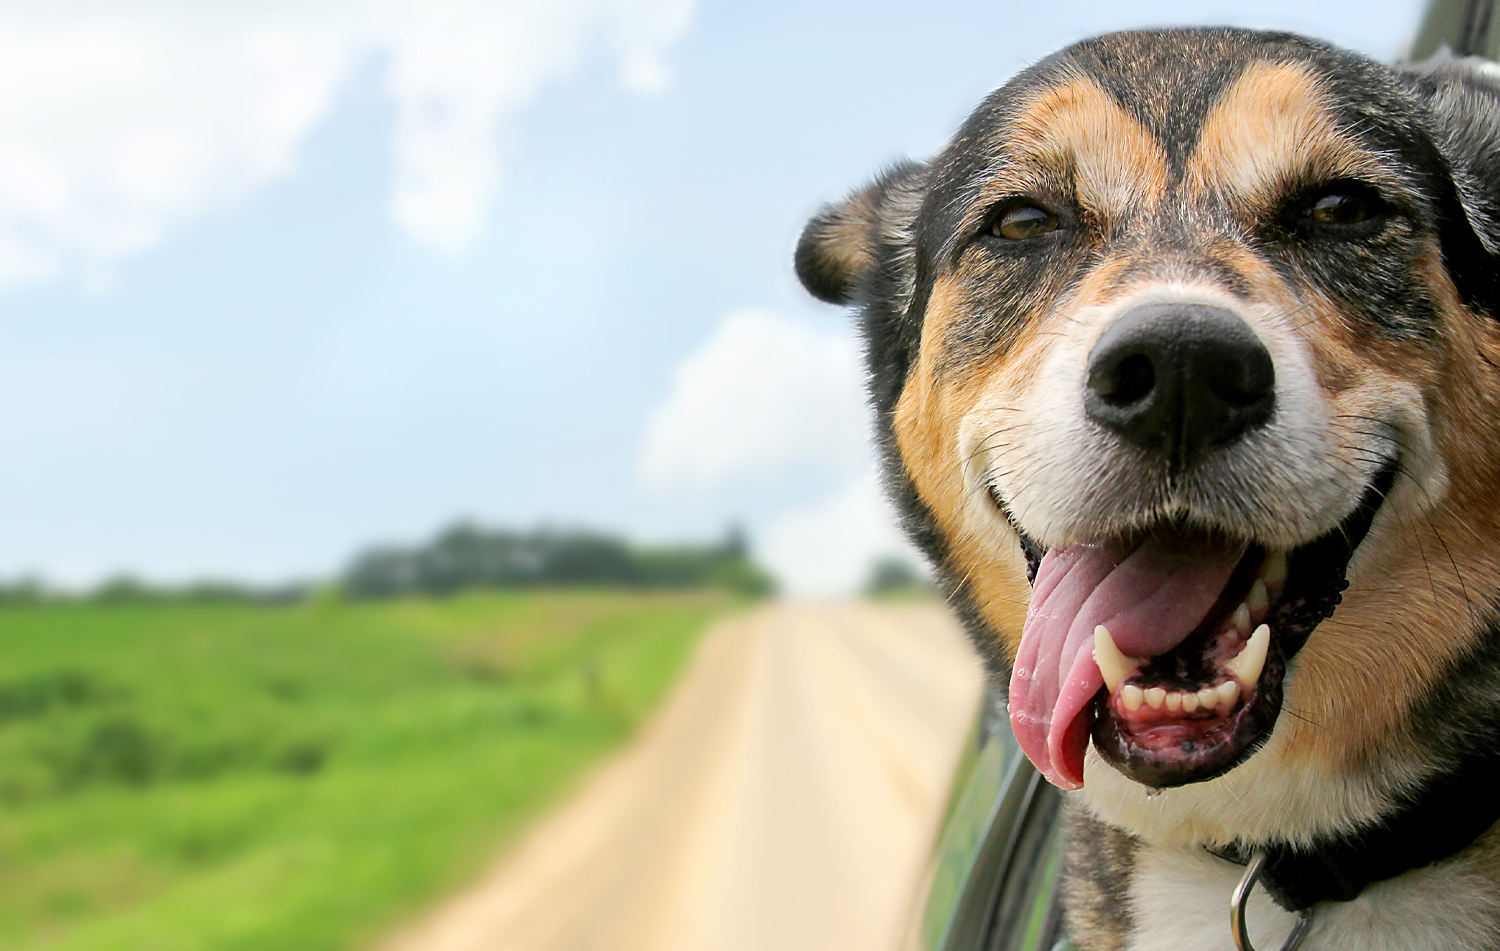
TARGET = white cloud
(121,121)
(830,547)
(767,397)
(763,397)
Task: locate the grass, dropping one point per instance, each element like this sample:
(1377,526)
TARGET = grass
(181,776)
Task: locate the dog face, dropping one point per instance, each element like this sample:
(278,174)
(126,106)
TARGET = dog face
(1186,354)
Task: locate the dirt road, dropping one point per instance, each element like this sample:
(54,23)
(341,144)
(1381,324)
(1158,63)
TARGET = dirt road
(782,800)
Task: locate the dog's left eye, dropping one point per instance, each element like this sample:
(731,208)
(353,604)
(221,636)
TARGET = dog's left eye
(1343,205)
(1024,221)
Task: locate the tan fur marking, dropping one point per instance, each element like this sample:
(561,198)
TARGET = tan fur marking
(1271,129)
(1410,611)
(1075,139)
(925,423)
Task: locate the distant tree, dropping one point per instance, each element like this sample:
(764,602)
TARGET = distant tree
(892,574)
(466,555)
(121,589)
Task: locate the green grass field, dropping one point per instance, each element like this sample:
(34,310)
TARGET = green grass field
(181,776)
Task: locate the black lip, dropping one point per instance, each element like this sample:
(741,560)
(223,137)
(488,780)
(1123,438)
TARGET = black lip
(1316,580)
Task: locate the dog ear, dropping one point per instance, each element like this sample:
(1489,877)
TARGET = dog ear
(841,245)
(1462,96)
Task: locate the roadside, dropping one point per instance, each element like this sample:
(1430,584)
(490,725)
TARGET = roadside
(784,798)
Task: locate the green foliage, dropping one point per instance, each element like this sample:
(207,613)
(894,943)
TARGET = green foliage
(892,577)
(467,556)
(228,776)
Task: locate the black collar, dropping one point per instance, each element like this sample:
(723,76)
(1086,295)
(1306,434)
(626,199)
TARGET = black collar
(1433,823)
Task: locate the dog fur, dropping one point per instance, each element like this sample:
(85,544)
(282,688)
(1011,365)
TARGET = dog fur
(1177,163)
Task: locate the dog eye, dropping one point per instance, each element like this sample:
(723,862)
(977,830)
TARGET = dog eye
(1340,208)
(1344,205)
(1024,221)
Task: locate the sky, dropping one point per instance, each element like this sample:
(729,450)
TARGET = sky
(283,279)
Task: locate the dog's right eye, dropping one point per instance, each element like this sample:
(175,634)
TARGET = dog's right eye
(1024,221)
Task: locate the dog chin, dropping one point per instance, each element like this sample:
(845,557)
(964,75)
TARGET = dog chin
(1271,796)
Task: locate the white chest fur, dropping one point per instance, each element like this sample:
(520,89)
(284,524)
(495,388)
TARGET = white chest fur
(1180,900)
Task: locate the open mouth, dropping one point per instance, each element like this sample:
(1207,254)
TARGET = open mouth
(1168,647)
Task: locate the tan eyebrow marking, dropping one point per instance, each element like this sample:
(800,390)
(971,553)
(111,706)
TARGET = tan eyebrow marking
(1272,129)
(1077,134)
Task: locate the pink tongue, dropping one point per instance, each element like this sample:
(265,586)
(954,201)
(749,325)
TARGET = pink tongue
(1151,599)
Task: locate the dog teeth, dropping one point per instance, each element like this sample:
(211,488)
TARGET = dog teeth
(1113,664)
(1229,692)
(1273,569)
(1246,665)
(1241,619)
(1221,698)
(1259,597)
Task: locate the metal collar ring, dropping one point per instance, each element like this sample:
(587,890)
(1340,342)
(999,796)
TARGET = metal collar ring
(1238,923)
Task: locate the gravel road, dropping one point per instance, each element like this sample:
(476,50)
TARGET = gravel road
(782,799)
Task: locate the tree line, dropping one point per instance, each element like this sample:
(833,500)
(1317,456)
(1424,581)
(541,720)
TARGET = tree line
(467,555)
(461,557)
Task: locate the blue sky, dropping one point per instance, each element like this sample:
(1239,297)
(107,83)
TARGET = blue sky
(281,280)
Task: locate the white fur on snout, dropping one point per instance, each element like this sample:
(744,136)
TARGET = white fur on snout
(1066,478)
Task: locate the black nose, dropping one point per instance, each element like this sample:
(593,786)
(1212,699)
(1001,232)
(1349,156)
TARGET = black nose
(1178,380)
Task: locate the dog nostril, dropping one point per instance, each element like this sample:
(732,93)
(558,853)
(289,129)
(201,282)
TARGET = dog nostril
(1126,381)
(1244,379)
(1179,380)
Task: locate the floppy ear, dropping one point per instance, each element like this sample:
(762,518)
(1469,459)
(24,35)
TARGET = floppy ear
(1462,96)
(842,244)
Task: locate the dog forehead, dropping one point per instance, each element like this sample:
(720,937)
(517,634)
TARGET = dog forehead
(1150,94)
(1164,118)
(1172,81)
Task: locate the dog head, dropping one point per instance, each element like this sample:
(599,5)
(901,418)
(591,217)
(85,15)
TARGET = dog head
(1185,352)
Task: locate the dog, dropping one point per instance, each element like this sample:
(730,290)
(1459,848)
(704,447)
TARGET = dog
(1185,356)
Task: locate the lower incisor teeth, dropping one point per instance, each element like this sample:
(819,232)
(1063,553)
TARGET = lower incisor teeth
(1208,697)
(1132,696)
(1189,702)
(1174,702)
(1155,697)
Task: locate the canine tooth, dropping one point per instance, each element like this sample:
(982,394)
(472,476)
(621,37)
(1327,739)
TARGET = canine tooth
(1189,702)
(1174,702)
(1246,665)
(1273,569)
(1229,692)
(1259,597)
(1132,697)
(1241,619)
(1155,697)
(1114,665)
(1208,697)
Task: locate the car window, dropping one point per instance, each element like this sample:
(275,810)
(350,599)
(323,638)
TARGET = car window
(992,881)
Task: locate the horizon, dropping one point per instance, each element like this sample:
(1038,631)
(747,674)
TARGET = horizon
(282,282)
